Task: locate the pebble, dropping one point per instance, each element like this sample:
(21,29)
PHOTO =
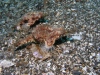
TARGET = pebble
(93,54)
(6,43)
(57,23)
(91,57)
(73,9)
(86,43)
(98,57)
(58,13)
(90,44)
(48,64)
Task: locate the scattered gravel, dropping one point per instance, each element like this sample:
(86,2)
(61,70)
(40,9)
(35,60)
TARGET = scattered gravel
(80,57)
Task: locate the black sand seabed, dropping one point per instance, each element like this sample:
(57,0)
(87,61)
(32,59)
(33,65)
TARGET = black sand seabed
(81,57)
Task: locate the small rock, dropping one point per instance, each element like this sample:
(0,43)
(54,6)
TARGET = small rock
(73,9)
(56,22)
(90,44)
(58,13)
(93,54)
(6,43)
(48,64)
(98,57)
(91,57)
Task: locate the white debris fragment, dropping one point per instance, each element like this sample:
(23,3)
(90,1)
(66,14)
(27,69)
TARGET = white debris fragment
(6,63)
(48,64)
(77,36)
